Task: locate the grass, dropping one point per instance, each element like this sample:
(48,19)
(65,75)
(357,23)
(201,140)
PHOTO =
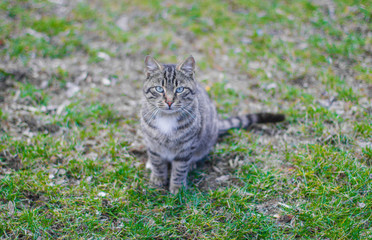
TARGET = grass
(307,178)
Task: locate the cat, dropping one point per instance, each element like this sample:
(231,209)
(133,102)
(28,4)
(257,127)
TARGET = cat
(179,121)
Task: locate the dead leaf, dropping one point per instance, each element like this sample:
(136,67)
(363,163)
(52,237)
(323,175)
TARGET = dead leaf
(11,210)
(283,218)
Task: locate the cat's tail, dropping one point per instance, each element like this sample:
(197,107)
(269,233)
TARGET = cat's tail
(247,120)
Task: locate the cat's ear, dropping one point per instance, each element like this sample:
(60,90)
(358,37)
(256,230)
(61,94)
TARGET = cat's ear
(187,66)
(152,65)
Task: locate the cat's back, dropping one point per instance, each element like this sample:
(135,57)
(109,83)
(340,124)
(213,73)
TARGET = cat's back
(208,132)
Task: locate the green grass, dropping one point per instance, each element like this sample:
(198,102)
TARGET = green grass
(86,181)
(37,96)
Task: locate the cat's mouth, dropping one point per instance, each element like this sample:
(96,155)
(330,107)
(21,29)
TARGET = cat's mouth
(171,109)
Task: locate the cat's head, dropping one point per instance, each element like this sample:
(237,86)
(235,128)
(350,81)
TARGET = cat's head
(170,87)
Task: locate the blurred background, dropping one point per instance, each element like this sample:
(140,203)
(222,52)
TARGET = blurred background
(286,48)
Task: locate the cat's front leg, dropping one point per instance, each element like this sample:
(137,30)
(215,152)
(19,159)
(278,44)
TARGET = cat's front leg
(159,169)
(180,169)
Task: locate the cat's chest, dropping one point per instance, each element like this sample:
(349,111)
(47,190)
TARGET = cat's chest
(166,124)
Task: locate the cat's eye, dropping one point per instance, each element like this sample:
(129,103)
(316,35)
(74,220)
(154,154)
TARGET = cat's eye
(159,89)
(179,89)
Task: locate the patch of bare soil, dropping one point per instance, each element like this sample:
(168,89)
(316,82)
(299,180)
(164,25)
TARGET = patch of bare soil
(10,161)
(304,80)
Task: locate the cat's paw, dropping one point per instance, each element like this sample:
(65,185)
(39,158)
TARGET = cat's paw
(158,180)
(174,189)
(192,166)
(149,165)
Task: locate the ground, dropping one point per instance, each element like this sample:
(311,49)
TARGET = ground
(72,164)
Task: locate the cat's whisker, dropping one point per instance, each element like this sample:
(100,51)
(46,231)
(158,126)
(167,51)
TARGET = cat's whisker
(154,115)
(150,111)
(151,114)
(189,113)
(184,114)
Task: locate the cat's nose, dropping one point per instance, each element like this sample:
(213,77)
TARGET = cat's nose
(169,103)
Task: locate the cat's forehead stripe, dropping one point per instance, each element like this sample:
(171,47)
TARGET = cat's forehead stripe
(164,79)
(169,74)
(174,75)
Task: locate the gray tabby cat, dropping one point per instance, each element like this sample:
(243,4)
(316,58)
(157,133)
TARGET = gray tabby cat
(180,123)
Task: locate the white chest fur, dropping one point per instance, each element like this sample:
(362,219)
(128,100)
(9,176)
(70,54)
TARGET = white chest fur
(166,124)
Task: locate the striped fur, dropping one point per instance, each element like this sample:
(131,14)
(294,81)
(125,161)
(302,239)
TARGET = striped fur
(180,123)
(247,120)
